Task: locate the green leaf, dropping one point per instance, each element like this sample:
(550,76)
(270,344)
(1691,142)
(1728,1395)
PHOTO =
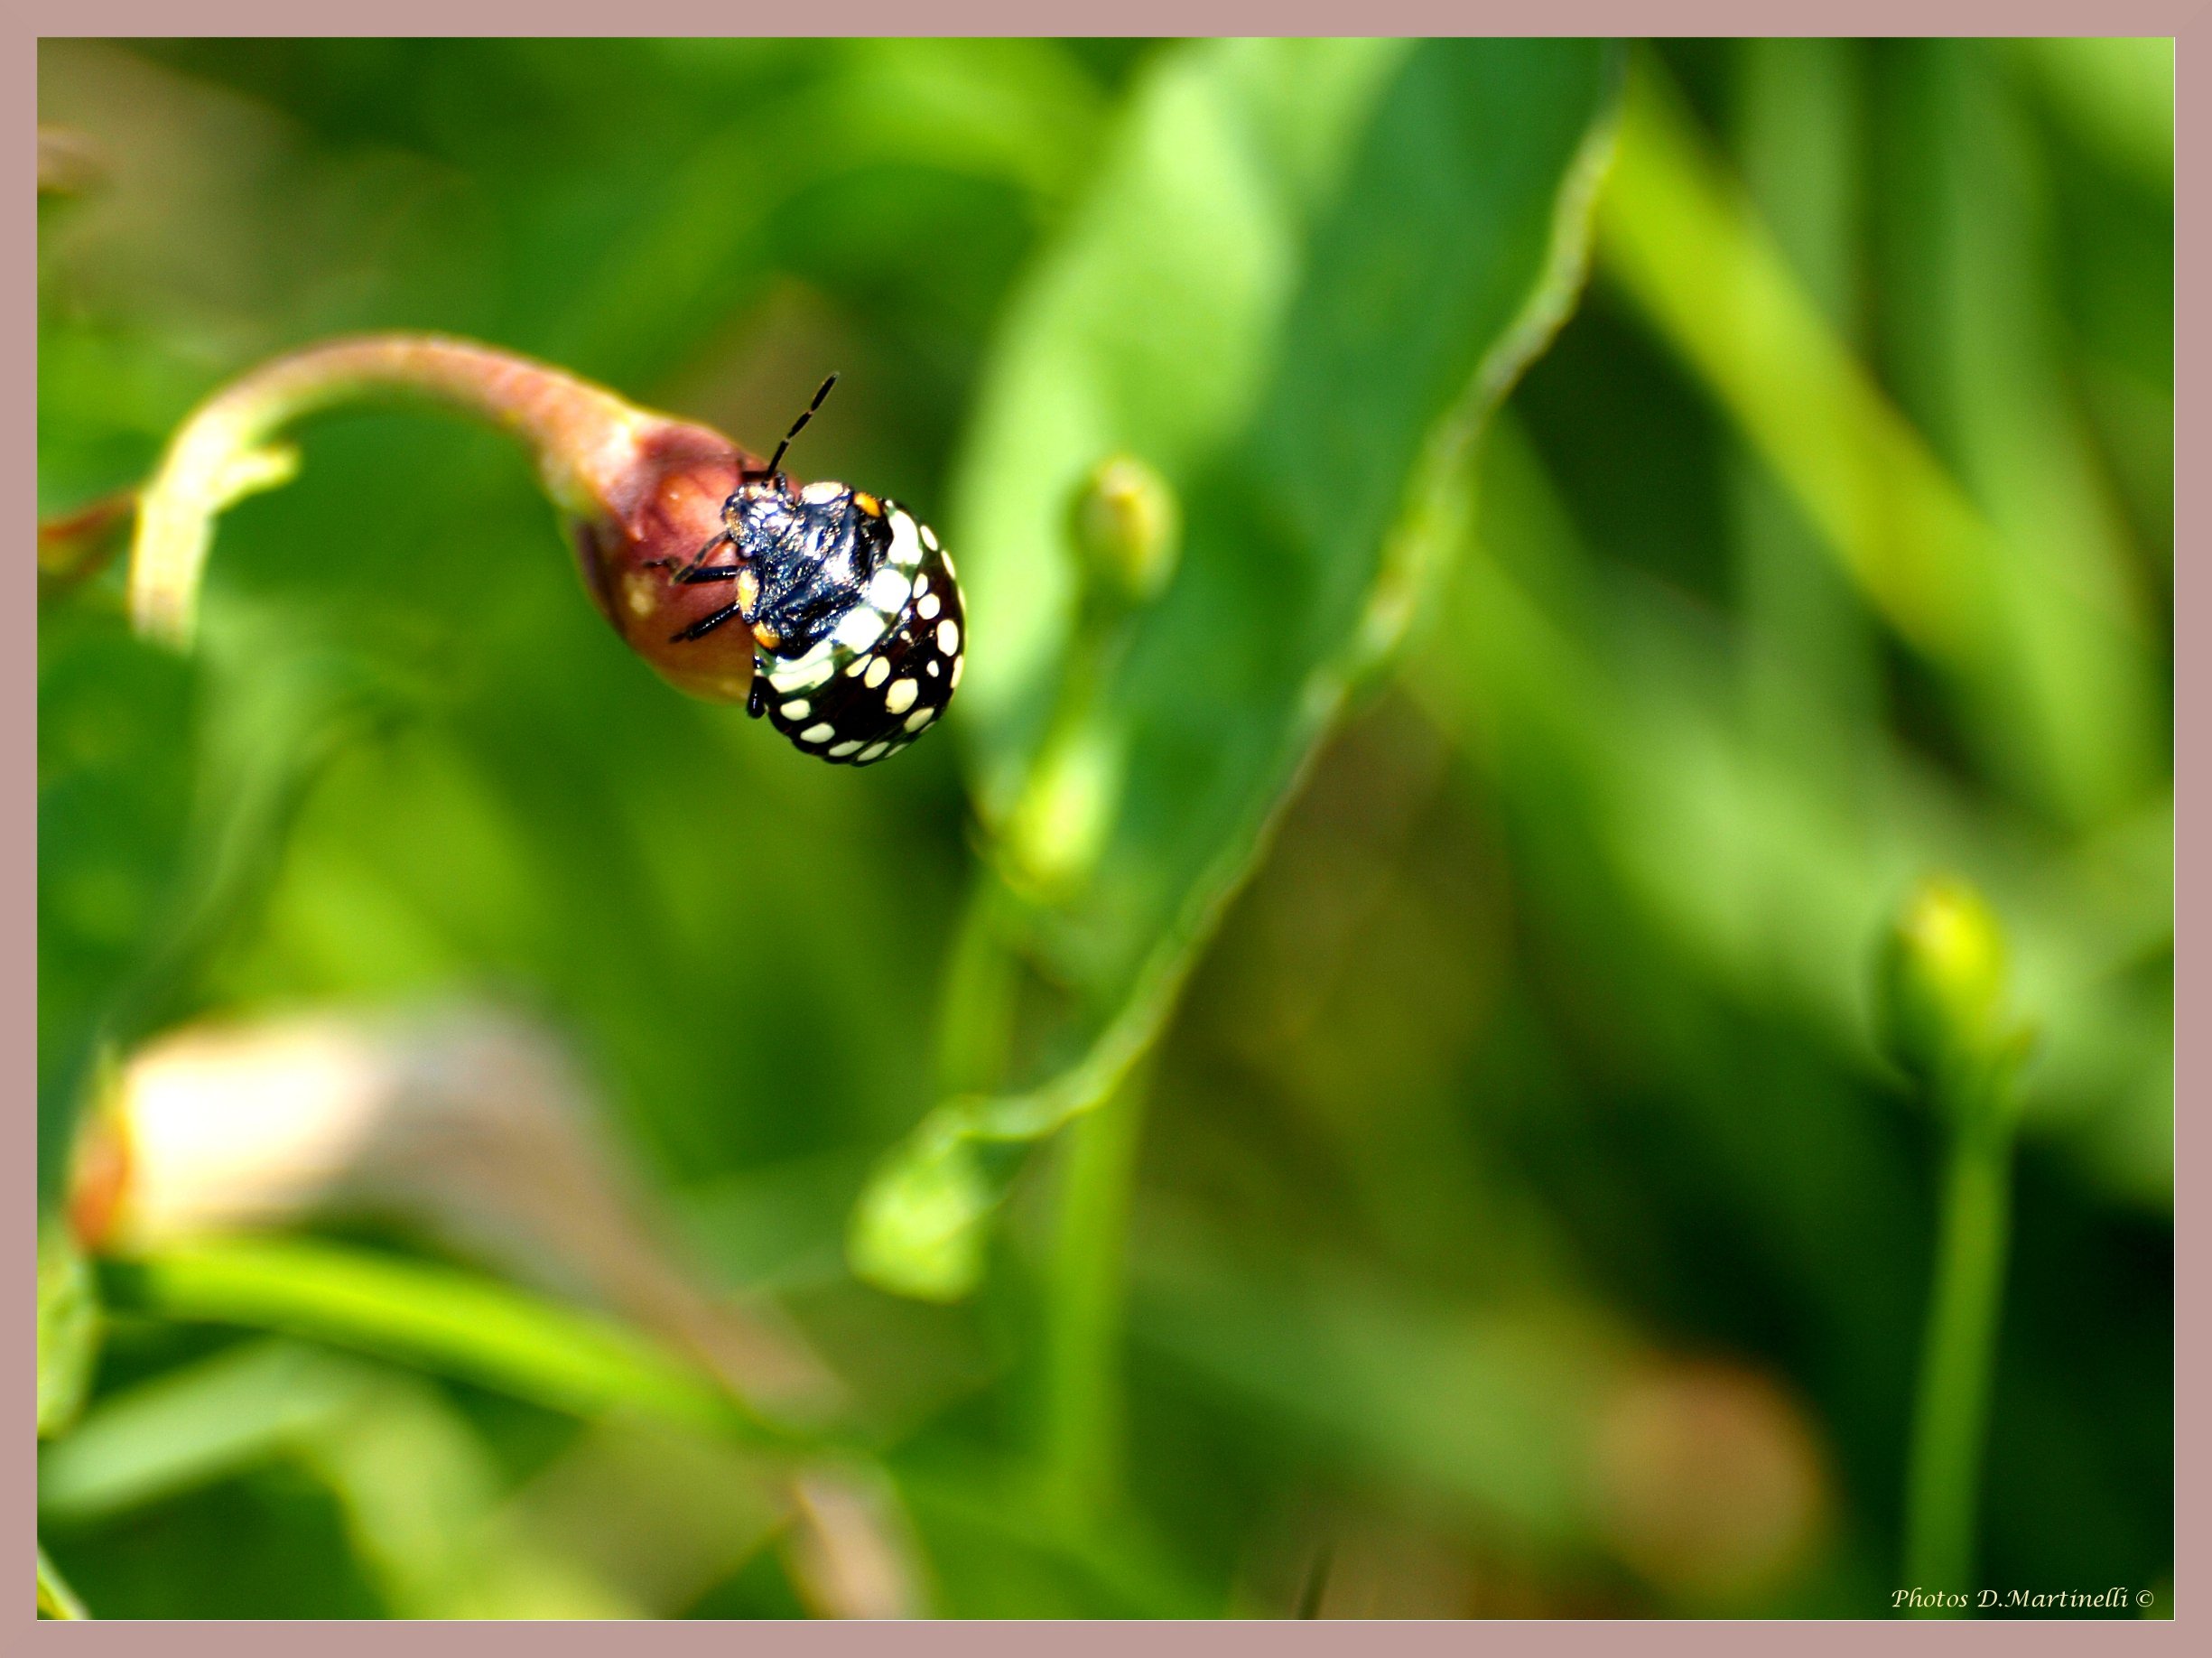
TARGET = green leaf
(192,1426)
(420,1491)
(69,1328)
(56,1598)
(1305,272)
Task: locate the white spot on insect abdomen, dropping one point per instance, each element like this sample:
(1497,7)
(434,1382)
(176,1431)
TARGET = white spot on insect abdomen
(905,545)
(888,591)
(860,627)
(805,673)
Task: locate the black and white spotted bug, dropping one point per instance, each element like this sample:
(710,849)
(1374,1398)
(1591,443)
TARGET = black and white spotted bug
(859,631)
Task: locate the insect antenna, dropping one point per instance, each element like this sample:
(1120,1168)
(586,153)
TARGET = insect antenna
(776,461)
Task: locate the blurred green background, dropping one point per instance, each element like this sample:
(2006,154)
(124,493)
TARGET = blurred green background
(1394,998)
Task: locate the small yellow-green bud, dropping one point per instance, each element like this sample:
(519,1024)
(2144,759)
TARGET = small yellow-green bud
(1943,981)
(918,1227)
(1128,528)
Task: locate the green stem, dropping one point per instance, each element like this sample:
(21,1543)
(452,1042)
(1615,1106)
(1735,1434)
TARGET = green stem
(1950,1420)
(975,1019)
(434,1318)
(1080,1450)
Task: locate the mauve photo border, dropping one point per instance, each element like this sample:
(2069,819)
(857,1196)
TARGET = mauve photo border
(2190,25)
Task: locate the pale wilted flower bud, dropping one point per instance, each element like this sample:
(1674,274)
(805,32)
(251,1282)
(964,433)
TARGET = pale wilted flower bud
(469,1122)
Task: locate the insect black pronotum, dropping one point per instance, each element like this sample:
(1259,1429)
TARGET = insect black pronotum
(858,627)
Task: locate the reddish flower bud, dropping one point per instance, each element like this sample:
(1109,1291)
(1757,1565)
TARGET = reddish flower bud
(658,515)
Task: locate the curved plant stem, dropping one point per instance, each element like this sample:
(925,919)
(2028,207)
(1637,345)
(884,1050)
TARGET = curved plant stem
(1080,1448)
(1950,1418)
(585,439)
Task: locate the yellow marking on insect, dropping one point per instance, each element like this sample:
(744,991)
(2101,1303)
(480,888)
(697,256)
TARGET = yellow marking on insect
(767,636)
(867,503)
(747,590)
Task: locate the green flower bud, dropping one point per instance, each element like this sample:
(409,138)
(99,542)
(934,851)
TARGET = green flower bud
(1129,529)
(1943,983)
(918,1228)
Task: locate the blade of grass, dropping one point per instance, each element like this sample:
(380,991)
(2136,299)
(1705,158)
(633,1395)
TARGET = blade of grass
(2014,588)
(1766,877)
(2077,652)
(1810,648)
(1684,246)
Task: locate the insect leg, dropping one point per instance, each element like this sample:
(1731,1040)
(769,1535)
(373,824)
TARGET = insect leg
(704,625)
(691,575)
(698,558)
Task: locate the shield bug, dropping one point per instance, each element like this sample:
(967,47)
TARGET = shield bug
(859,631)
